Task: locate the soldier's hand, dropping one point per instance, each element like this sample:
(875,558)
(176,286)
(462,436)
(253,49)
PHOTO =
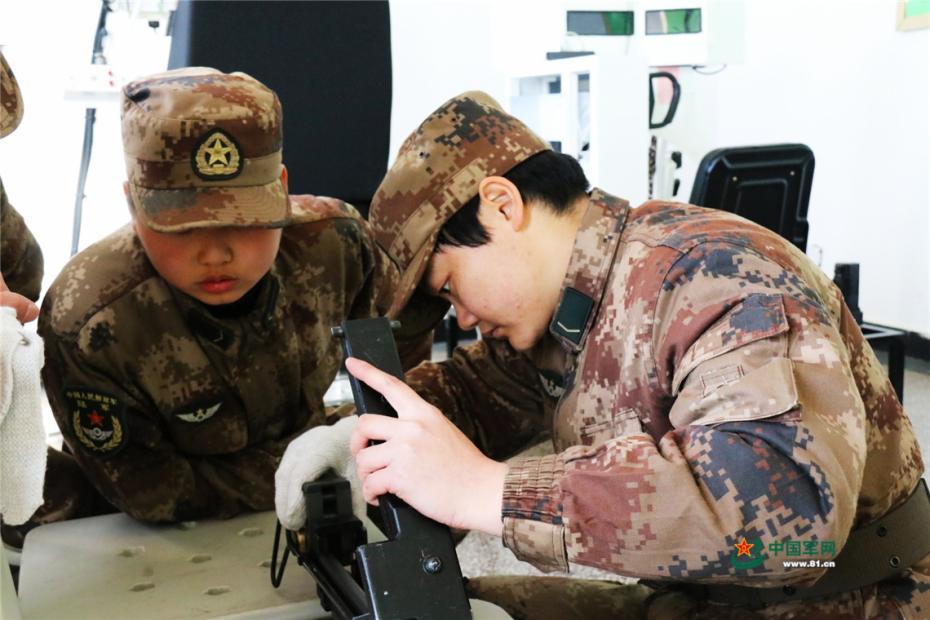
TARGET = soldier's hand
(305,460)
(425,460)
(25,310)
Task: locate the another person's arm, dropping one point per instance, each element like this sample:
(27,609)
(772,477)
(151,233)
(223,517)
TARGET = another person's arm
(20,255)
(490,392)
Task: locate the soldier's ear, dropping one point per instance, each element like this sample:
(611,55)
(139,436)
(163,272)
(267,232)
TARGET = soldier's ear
(501,203)
(284,177)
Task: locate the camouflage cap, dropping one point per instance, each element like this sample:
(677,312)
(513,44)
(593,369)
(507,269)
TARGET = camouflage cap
(437,170)
(11,100)
(203,148)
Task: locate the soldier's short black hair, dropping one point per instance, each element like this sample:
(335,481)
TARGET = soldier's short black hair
(552,179)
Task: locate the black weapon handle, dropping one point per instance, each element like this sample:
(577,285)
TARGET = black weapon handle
(415,573)
(371,340)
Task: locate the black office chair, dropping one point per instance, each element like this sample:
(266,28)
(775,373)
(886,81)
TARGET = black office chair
(330,64)
(769,185)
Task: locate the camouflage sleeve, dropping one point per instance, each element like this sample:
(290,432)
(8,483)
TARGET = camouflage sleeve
(20,255)
(134,462)
(767,443)
(489,391)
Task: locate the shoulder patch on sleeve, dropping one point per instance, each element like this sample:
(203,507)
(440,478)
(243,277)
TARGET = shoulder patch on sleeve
(97,420)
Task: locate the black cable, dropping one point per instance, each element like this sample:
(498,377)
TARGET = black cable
(278,575)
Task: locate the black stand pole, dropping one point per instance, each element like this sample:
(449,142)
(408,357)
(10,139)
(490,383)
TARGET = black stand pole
(90,117)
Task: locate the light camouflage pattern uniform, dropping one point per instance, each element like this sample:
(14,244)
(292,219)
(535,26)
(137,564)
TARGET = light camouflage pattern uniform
(174,409)
(20,257)
(702,380)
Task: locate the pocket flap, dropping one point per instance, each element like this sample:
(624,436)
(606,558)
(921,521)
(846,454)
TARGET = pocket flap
(762,392)
(758,316)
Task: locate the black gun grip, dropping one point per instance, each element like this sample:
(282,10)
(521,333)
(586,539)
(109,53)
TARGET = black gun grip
(372,341)
(416,573)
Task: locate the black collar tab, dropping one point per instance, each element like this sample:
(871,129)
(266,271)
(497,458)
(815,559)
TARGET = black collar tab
(592,258)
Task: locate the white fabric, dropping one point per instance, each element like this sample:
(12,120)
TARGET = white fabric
(308,457)
(22,436)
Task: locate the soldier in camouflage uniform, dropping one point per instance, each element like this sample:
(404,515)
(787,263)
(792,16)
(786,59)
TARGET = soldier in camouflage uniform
(20,256)
(712,402)
(185,350)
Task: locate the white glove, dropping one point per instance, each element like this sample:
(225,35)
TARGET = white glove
(305,460)
(22,435)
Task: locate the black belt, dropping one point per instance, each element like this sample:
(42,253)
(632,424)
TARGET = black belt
(872,553)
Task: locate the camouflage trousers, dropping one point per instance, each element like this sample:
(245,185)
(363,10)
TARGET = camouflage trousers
(560,598)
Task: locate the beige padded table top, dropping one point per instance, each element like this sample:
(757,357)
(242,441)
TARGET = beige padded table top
(115,567)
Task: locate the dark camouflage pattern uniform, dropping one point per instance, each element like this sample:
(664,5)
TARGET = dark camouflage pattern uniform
(712,386)
(20,257)
(206,405)
(11,99)
(176,410)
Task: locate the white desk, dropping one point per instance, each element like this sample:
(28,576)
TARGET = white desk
(115,567)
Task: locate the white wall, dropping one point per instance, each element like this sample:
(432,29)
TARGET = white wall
(444,47)
(46,43)
(834,74)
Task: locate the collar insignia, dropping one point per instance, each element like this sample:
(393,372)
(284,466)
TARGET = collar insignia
(572,315)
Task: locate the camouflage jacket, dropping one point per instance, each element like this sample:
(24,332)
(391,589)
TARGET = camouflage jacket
(703,382)
(177,414)
(20,255)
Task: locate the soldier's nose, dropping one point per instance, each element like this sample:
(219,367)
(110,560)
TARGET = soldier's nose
(466,319)
(214,254)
